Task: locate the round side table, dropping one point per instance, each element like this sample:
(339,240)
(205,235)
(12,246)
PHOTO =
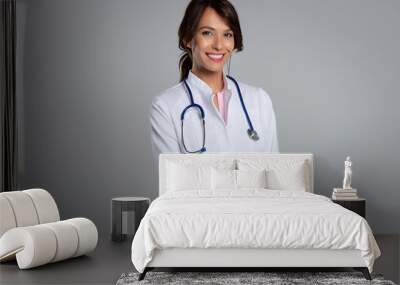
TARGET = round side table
(126,214)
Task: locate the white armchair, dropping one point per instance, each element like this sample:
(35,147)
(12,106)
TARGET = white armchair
(31,230)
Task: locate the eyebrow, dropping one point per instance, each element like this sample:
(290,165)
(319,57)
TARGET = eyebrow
(211,28)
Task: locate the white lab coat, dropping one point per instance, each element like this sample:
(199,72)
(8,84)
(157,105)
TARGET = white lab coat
(220,136)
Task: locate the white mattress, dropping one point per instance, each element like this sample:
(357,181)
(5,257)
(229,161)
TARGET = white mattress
(251,218)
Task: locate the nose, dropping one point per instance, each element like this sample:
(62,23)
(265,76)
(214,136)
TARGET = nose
(218,43)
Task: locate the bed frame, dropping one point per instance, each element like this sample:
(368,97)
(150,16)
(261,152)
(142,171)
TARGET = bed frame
(248,259)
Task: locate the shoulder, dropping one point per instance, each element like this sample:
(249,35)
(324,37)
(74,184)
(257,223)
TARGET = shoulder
(170,96)
(255,93)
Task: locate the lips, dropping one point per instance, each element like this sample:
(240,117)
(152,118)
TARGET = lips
(216,57)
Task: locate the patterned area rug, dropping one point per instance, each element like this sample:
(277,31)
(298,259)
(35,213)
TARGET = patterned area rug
(270,278)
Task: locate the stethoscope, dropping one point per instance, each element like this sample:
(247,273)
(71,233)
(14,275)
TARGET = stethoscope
(250,131)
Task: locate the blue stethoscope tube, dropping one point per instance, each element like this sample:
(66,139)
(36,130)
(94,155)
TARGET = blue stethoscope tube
(250,132)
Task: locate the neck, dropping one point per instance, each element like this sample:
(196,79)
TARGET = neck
(214,80)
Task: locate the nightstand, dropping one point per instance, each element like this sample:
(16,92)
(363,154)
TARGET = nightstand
(356,205)
(126,214)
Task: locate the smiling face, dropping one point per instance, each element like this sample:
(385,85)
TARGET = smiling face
(212,43)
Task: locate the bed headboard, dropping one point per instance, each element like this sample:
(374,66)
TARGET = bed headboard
(213,158)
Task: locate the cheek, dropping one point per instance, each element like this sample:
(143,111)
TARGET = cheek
(231,45)
(203,43)
(198,54)
(200,50)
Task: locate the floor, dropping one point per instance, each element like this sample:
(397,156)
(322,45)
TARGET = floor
(102,266)
(110,260)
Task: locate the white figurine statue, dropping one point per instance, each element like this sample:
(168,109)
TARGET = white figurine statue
(347,174)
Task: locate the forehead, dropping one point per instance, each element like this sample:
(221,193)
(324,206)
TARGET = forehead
(210,18)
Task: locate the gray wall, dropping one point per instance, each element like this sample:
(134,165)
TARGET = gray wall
(88,70)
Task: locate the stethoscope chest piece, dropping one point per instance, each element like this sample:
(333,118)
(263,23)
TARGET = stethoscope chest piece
(253,135)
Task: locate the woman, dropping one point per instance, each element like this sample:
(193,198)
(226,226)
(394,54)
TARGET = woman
(237,117)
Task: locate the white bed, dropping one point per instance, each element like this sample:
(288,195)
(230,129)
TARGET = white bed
(214,211)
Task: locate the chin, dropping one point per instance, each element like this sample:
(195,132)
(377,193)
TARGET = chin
(214,69)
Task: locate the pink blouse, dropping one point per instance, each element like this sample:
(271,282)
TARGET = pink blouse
(221,104)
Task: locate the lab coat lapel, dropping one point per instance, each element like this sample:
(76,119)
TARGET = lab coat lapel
(204,96)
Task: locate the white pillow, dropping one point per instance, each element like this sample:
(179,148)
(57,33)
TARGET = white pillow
(251,178)
(223,179)
(193,174)
(188,177)
(237,179)
(282,174)
(289,179)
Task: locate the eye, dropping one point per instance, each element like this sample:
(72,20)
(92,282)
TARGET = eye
(229,35)
(206,33)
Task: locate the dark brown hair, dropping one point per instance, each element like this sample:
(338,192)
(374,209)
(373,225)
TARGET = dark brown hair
(190,21)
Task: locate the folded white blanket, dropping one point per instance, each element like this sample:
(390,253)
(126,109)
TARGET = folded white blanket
(251,218)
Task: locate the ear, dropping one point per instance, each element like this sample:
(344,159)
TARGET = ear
(187,44)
